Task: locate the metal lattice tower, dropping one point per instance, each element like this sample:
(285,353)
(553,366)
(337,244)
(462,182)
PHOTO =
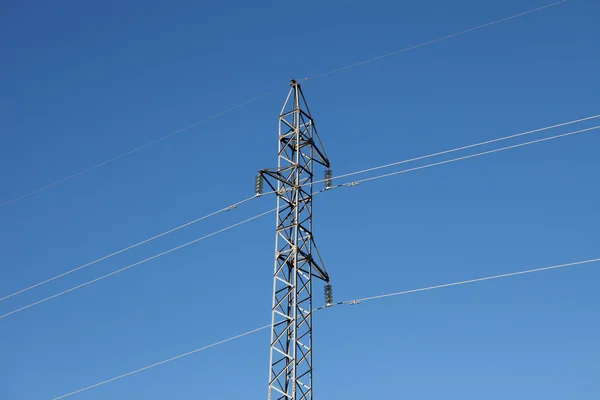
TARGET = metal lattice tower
(290,376)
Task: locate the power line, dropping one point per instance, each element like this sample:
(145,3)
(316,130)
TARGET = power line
(234,205)
(270,93)
(455,150)
(357,301)
(334,187)
(404,171)
(487,278)
(228,208)
(110,160)
(435,40)
(347,302)
(116,378)
(463,148)
(134,264)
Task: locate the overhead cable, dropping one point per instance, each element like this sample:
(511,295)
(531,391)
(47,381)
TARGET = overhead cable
(404,171)
(393,53)
(462,148)
(346,185)
(224,209)
(141,147)
(445,285)
(276,90)
(116,378)
(347,302)
(134,264)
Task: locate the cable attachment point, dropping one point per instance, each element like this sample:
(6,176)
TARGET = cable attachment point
(258,184)
(328,295)
(328,178)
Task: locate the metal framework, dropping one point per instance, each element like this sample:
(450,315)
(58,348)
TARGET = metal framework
(290,376)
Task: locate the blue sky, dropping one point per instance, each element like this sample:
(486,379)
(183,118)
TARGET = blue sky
(85,82)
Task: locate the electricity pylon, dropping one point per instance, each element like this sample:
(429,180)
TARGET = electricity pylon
(296,265)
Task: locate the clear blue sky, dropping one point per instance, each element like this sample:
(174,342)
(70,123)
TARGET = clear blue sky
(85,81)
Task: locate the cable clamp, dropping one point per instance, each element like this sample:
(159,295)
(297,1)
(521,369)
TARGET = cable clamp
(231,208)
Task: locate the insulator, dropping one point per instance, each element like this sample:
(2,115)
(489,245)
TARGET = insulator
(328,294)
(258,184)
(328,178)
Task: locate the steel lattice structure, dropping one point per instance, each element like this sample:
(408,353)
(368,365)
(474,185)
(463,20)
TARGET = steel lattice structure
(290,376)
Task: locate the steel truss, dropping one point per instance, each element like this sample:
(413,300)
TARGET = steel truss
(300,148)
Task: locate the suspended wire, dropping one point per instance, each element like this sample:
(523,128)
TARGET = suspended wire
(356,301)
(347,302)
(434,40)
(353,183)
(228,208)
(319,192)
(234,205)
(141,147)
(116,378)
(270,93)
(135,264)
(462,148)
(404,171)
(487,278)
